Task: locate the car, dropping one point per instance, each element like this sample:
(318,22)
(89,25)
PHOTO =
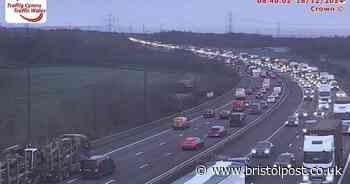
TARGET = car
(192,143)
(263,90)
(259,95)
(302,114)
(249,91)
(180,123)
(209,113)
(224,114)
(217,131)
(319,114)
(285,160)
(97,166)
(308,97)
(340,93)
(308,124)
(237,119)
(271,99)
(264,104)
(254,108)
(262,149)
(292,121)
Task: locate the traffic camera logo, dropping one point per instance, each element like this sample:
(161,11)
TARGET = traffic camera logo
(25,11)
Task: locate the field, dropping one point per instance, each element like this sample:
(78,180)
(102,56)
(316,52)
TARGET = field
(91,100)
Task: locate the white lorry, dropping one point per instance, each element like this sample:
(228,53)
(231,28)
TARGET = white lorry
(323,148)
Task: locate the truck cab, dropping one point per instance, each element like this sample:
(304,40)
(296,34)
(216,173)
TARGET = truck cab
(323,148)
(319,152)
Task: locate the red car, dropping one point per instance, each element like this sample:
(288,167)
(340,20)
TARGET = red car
(192,143)
(217,131)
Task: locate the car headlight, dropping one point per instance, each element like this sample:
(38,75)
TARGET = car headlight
(296,122)
(315,113)
(329,178)
(304,130)
(274,165)
(326,106)
(305,177)
(329,100)
(266,151)
(289,165)
(305,96)
(312,96)
(296,114)
(304,114)
(253,151)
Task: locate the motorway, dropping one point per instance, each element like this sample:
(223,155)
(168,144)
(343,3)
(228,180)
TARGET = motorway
(145,153)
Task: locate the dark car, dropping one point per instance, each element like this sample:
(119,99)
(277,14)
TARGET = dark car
(97,166)
(302,114)
(249,91)
(292,121)
(192,143)
(255,108)
(262,149)
(264,104)
(319,114)
(237,119)
(285,160)
(224,114)
(217,131)
(259,95)
(209,113)
(309,97)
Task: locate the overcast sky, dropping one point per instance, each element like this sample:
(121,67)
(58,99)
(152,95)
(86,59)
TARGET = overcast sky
(196,15)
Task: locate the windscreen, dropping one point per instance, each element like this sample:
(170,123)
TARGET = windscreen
(317,157)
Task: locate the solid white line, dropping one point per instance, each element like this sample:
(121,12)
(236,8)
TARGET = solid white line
(139,153)
(344,170)
(162,143)
(72,180)
(140,141)
(110,181)
(168,154)
(275,132)
(143,166)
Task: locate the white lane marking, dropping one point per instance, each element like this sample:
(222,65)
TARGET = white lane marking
(139,153)
(168,154)
(73,180)
(162,143)
(344,170)
(142,140)
(110,181)
(143,166)
(275,132)
(290,145)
